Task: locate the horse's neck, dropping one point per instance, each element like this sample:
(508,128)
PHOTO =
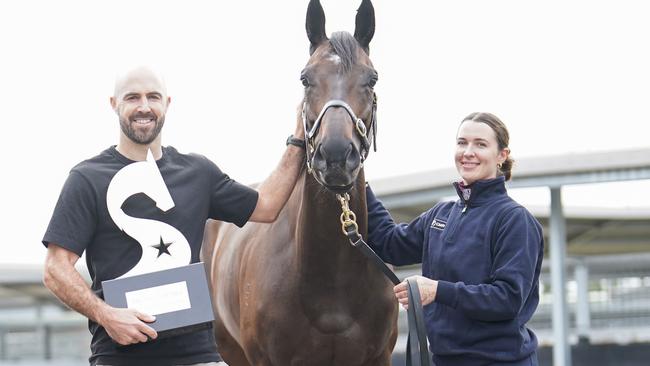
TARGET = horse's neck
(322,248)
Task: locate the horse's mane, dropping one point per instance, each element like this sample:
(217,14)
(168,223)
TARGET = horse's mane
(346,47)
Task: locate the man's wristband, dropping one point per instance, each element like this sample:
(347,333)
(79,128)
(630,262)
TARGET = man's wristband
(295,142)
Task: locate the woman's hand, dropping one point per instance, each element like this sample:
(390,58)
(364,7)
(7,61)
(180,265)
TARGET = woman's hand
(427,286)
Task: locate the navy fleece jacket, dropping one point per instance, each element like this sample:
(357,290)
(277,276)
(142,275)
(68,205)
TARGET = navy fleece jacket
(486,252)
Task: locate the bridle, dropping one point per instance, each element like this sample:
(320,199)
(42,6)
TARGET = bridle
(359,125)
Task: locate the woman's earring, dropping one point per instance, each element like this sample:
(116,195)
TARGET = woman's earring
(499,165)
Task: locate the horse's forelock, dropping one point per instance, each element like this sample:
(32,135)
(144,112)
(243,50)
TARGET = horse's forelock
(346,47)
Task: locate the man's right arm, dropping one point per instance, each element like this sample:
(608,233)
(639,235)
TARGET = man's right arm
(125,326)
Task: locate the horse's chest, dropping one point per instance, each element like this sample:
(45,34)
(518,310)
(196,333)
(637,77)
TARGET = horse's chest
(350,346)
(330,314)
(328,338)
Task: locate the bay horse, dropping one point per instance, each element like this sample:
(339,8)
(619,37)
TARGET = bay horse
(295,292)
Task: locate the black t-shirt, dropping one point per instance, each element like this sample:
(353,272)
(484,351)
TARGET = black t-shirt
(85,220)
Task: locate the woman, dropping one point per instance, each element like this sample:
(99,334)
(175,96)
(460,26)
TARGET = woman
(481,256)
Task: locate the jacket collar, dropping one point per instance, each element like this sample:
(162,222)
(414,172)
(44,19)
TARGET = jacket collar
(482,191)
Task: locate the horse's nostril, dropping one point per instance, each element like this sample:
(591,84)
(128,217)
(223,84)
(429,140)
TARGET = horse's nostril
(349,151)
(352,158)
(320,158)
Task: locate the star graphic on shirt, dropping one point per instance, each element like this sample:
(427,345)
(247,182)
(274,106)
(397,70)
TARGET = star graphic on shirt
(162,247)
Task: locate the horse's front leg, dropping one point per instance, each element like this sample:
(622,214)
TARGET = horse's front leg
(228,347)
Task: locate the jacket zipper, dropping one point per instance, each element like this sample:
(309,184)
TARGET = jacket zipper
(466,203)
(453,225)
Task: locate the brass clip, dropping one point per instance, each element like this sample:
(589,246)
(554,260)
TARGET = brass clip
(348,218)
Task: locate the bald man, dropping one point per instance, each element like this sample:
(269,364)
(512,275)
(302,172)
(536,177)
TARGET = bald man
(89,218)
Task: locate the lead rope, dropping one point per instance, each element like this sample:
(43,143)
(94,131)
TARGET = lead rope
(417,353)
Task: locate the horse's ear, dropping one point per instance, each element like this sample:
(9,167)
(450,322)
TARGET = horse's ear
(365,24)
(315,25)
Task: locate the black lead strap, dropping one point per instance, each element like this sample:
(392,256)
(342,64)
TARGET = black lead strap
(357,241)
(416,345)
(417,353)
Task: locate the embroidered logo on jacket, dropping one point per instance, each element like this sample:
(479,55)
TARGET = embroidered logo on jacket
(438,224)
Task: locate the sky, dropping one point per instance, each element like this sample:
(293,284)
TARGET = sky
(565,77)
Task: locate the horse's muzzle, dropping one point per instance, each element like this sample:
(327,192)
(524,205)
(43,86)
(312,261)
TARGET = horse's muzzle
(337,164)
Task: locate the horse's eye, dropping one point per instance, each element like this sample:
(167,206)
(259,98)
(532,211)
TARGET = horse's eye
(304,81)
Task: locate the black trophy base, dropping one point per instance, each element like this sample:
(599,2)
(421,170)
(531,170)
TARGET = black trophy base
(175,332)
(184,330)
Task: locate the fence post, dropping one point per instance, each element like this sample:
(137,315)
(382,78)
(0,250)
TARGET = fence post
(3,345)
(583,316)
(557,238)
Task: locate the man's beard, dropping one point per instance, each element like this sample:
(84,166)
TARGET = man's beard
(140,137)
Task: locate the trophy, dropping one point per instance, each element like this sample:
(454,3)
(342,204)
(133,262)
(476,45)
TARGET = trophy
(163,283)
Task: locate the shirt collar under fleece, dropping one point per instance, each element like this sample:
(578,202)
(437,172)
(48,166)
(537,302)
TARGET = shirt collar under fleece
(481,191)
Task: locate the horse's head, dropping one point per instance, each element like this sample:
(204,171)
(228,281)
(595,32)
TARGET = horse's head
(339,103)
